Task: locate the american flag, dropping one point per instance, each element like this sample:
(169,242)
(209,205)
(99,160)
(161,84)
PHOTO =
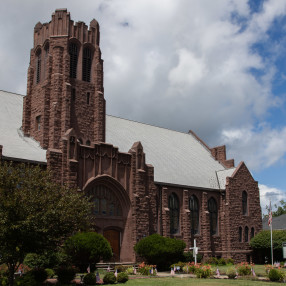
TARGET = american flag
(270,215)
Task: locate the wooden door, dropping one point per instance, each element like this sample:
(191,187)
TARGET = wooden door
(113,236)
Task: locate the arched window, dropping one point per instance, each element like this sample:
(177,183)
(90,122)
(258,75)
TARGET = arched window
(252,232)
(246,234)
(174,208)
(244,203)
(240,234)
(105,203)
(212,207)
(73,51)
(86,64)
(46,59)
(38,65)
(194,208)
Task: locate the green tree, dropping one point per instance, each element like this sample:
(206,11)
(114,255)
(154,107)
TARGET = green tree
(261,245)
(160,251)
(36,214)
(280,209)
(87,248)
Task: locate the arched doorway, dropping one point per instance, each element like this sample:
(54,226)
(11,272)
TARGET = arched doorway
(111,205)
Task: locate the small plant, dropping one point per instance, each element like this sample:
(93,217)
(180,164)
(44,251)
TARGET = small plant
(50,272)
(121,268)
(130,271)
(268,267)
(179,266)
(231,273)
(221,262)
(189,268)
(276,275)
(203,271)
(229,261)
(212,260)
(65,274)
(122,277)
(109,278)
(39,274)
(89,279)
(243,269)
(145,269)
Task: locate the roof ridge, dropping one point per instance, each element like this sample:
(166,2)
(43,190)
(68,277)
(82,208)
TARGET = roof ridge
(12,92)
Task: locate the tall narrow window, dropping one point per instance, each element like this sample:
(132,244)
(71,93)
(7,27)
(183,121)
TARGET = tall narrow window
(73,51)
(174,208)
(87,97)
(244,203)
(38,123)
(240,234)
(212,207)
(252,232)
(46,60)
(86,64)
(194,208)
(38,66)
(246,234)
(73,94)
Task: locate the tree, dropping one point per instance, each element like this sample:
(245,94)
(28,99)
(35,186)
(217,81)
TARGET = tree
(280,209)
(261,245)
(159,250)
(36,214)
(87,248)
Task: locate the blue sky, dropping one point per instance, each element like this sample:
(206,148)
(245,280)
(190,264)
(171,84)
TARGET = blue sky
(215,67)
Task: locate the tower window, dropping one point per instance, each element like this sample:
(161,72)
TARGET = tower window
(73,94)
(87,97)
(240,234)
(46,60)
(244,203)
(38,66)
(212,207)
(86,64)
(38,123)
(174,213)
(73,51)
(194,208)
(246,234)
(252,232)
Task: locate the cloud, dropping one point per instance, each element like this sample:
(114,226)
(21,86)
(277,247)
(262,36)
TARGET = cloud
(268,194)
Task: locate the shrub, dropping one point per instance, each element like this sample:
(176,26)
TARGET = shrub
(178,264)
(276,275)
(203,271)
(145,269)
(50,272)
(65,274)
(109,278)
(221,261)
(122,277)
(87,248)
(243,269)
(39,274)
(229,261)
(231,273)
(121,268)
(212,260)
(130,271)
(159,250)
(89,279)
(189,268)
(4,281)
(27,279)
(188,257)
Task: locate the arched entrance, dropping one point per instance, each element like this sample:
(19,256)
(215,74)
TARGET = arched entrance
(111,205)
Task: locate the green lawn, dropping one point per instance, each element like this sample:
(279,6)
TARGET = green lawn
(193,281)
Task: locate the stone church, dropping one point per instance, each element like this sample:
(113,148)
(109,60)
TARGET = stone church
(142,179)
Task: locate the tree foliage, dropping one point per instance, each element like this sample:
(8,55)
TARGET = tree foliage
(280,209)
(36,214)
(159,250)
(87,248)
(261,244)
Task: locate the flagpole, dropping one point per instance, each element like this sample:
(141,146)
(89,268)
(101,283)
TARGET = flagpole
(271,244)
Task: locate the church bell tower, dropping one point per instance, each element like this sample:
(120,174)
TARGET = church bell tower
(65,83)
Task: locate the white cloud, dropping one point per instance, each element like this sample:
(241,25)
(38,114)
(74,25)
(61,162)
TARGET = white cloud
(268,194)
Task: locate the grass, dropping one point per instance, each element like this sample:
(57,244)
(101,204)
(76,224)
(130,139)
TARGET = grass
(193,281)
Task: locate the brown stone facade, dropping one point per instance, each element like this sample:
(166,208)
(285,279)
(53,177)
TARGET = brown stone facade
(65,111)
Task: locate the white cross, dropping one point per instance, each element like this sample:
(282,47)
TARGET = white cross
(195,251)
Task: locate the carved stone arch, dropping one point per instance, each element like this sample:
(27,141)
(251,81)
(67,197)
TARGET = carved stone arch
(113,185)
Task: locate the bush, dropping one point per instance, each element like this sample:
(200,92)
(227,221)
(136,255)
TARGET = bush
(39,274)
(221,262)
(189,268)
(178,264)
(87,248)
(50,272)
(65,274)
(27,279)
(231,273)
(230,261)
(89,279)
(145,269)
(243,269)
(122,277)
(121,268)
(203,271)
(159,250)
(188,257)
(276,275)
(109,278)
(4,281)
(212,260)
(130,271)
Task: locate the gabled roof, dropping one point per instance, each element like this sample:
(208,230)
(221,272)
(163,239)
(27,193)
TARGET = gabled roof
(15,145)
(178,158)
(278,223)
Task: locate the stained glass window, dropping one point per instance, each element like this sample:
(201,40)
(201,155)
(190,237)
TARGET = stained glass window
(174,213)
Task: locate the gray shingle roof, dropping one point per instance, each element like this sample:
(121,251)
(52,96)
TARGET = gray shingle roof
(178,158)
(15,145)
(278,223)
